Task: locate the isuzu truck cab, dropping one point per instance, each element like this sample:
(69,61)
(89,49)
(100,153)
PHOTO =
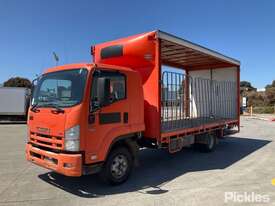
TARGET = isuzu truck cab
(93,118)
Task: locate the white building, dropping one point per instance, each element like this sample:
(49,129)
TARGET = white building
(260,89)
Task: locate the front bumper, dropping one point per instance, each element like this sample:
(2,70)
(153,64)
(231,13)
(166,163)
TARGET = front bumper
(66,164)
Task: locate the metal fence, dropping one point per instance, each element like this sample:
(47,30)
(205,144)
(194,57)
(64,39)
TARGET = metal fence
(189,102)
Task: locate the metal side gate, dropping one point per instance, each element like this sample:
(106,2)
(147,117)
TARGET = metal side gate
(188,102)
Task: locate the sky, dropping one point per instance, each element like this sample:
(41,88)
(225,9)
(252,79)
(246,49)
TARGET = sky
(30,31)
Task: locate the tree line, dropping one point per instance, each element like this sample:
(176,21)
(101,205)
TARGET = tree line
(18,82)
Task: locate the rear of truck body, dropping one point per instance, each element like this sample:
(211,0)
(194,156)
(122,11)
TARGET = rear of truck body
(153,106)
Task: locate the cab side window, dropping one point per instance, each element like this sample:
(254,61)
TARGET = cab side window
(117,86)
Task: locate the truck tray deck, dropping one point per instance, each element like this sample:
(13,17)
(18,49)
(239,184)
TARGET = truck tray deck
(175,125)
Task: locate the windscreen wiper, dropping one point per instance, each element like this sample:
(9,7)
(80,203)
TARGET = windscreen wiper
(34,107)
(57,109)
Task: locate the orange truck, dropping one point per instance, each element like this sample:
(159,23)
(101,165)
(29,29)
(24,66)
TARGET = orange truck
(151,90)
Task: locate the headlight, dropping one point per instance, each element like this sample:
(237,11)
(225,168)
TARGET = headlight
(72,139)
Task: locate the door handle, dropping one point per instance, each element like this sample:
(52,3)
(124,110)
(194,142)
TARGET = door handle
(125,117)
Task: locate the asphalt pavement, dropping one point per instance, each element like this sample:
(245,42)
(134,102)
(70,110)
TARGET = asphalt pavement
(238,172)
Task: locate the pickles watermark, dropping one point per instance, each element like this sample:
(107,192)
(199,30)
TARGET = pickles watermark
(246,197)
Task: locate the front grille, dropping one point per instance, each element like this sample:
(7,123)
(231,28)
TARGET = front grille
(48,141)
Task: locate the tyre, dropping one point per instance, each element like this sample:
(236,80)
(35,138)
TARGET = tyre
(117,167)
(210,144)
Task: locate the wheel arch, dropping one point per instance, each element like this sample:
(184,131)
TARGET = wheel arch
(129,141)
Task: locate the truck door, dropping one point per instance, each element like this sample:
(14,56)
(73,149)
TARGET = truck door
(109,118)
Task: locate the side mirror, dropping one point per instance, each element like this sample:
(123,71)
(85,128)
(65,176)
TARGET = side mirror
(33,87)
(103,91)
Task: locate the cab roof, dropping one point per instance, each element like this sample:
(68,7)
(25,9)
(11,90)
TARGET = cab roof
(86,65)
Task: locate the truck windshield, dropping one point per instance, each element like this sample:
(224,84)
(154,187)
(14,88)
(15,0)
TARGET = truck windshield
(60,89)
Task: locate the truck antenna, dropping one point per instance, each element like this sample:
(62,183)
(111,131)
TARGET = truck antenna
(56,58)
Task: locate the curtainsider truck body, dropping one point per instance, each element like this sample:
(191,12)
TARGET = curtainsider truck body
(150,90)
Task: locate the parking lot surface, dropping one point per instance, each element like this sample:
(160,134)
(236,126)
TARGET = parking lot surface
(241,165)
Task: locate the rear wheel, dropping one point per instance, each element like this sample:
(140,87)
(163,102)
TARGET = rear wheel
(210,143)
(118,166)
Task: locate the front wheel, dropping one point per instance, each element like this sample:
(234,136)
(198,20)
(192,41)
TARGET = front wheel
(118,166)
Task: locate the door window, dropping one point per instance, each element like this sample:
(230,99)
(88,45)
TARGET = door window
(117,87)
